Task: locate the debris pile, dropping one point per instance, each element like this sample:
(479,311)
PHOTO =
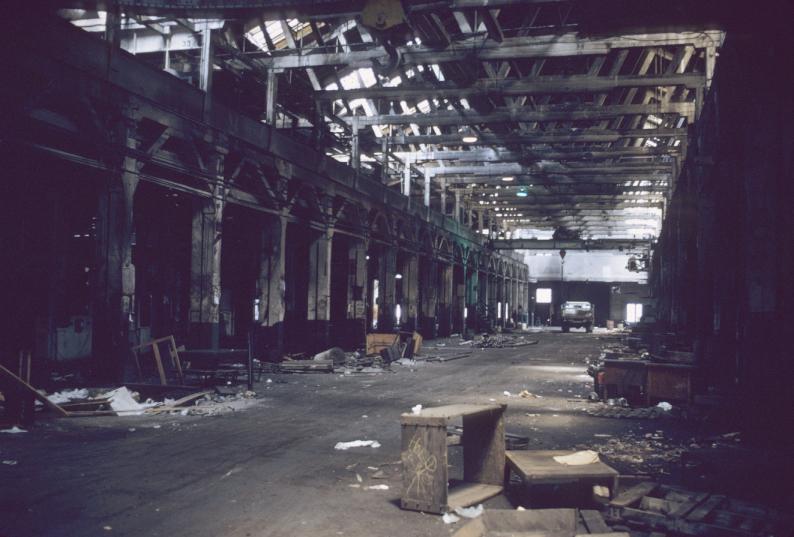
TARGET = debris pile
(648,454)
(501,341)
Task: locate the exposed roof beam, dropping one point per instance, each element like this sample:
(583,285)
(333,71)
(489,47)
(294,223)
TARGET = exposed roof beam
(554,178)
(509,168)
(591,205)
(579,244)
(537,199)
(559,188)
(479,49)
(525,86)
(537,137)
(493,155)
(551,112)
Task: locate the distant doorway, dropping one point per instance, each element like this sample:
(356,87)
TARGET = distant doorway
(633,313)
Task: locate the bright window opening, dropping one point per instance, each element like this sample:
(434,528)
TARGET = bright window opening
(543,296)
(633,313)
(375,296)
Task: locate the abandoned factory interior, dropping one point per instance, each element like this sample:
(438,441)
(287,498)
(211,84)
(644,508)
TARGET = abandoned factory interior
(379,268)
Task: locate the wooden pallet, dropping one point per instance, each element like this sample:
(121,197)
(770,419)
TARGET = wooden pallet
(682,511)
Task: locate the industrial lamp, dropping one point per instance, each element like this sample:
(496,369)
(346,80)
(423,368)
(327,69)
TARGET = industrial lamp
(468,135)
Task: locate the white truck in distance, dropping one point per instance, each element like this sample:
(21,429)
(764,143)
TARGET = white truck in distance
(577,314)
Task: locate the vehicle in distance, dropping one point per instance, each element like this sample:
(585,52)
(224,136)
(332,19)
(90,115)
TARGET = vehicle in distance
(578,314)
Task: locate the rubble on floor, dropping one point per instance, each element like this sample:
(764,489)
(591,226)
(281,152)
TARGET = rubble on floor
(649,453)
(500,341)
(606,410)
(125,402)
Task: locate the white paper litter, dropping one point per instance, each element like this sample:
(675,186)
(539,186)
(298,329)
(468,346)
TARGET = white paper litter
(507,394)
(416,409)
(579,458)
(13,430)
(470,512)
(64,396)
(357,443)
(520,508)
(10,462)
(123,403)
(378,487)
(664,405)
(449,518)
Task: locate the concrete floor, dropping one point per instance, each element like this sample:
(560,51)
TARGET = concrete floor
(272,470)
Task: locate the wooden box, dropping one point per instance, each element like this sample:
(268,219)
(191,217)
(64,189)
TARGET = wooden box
(669,382)
(625,378)
(425,458)
(378,341)
(538,467)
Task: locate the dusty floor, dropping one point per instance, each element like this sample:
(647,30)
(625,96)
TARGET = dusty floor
(272,470)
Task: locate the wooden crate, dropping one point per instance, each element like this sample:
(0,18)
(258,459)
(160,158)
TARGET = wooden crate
(669,382)
(625,378)
(424,457)
(378,341)
(538,467)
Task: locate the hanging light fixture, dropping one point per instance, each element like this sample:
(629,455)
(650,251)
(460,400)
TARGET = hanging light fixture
(508,178)
(522,193)
(468,135)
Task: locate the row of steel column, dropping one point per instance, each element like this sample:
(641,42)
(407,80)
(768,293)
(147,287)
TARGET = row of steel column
(380,287)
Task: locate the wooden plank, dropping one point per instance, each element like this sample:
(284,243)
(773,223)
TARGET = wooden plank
(475,528)
(594,521)
(90,413)
(607,534)
(700,513)
(686,507)
(307,365)
(192,397)
(159,363)
(658,505)
(467,494)
(634,494)
(84,405)
(483,442)
(530,523)
(441,414)
(417,342)
(152,342)
(647,518)
(49,404)
(172,349)
(425,472)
